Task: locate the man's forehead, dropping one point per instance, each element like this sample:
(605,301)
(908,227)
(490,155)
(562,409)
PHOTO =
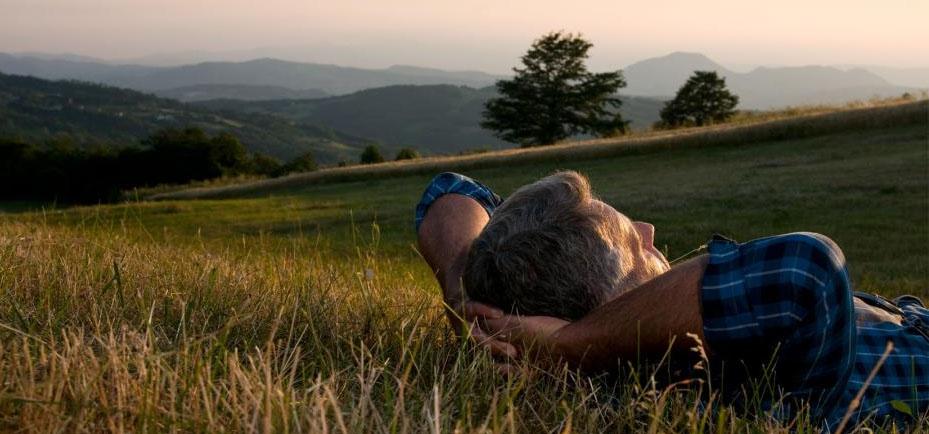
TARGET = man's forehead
(606,209)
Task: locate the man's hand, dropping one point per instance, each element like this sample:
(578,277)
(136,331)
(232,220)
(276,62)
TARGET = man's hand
(535,336)
(476,313)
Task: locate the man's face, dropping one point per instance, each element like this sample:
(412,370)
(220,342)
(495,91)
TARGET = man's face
(635,239)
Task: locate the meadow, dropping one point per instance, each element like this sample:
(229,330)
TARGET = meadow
(306,308)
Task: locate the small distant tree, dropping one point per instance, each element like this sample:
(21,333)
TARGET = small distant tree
(303,163)
(229,153)
(407,154)
(702,100)
(553,96)
(263,164)
(371,155)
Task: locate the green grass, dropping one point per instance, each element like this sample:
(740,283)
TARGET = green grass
(791,124)
(307,308)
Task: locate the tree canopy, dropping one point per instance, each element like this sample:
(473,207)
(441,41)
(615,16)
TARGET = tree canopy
(407,154)
(371,155)
(702,100)
(62,171)
(305,162)
(553,96)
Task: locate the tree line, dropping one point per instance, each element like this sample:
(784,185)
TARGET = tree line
(61,171)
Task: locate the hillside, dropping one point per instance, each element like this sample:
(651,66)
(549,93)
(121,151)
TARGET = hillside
(435,119)
(90,114)
(789,127)
(205,92)
(439,119)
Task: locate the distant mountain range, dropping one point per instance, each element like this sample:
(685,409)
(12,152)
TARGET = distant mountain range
(435,119)
(263,79)
(913,77)
(763,88)
(285,108)
(269,73)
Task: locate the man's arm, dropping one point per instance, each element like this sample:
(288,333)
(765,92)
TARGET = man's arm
(445,235)
(449,227)
(645,321)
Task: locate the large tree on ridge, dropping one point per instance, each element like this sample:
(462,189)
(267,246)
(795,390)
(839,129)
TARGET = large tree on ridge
(553,96)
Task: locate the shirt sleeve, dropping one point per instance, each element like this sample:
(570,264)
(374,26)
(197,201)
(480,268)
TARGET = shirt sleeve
(449,182)
(785,299)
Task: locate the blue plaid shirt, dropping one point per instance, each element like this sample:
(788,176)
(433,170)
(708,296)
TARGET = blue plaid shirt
(789,296)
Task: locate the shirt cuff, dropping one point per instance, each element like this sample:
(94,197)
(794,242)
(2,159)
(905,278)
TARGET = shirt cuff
(449,182)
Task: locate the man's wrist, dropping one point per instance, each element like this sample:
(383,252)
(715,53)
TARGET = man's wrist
(570,344)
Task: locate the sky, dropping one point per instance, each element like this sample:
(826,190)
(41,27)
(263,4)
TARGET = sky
(487,35)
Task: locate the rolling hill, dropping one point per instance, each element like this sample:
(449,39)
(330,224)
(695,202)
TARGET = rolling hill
(206,92)
(90,114)
(899,114)
(439,119)
(435,119)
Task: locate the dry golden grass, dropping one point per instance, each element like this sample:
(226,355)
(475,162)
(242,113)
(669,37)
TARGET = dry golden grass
(105,329)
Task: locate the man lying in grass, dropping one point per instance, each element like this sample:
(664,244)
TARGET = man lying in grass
(555,274)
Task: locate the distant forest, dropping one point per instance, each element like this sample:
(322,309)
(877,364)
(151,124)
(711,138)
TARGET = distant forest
(59,171)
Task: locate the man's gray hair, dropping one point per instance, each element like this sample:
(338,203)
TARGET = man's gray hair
(547,251)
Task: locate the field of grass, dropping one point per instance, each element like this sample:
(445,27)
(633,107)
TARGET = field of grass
(793,123)
(307,309)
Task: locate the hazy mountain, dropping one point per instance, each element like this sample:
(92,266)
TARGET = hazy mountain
(776,87)
(762,87)
(476,78)
(56,68)
(269,72)
(330,79)
(913,77)
(434,119)
(62,56)
(95,115)
(663,76)
(264,78)
(204,92)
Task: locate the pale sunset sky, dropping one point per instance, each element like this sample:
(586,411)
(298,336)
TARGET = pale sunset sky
(472,34)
